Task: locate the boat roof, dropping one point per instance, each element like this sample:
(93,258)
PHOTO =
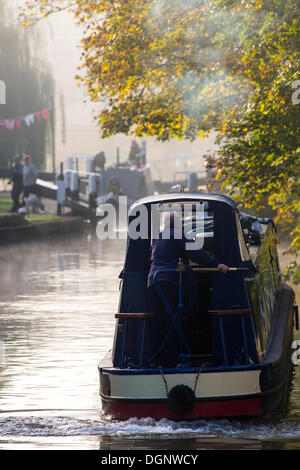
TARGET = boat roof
(227,237)
(184,196)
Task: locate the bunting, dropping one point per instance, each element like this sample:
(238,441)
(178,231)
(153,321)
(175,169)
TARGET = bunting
(16,123)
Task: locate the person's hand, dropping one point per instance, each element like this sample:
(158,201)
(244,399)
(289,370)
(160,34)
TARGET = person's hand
(223,268)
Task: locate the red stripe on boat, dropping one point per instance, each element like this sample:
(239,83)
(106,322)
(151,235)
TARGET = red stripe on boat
(209,409)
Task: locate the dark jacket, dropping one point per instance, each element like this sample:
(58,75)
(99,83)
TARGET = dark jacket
(166,254)
(17,176)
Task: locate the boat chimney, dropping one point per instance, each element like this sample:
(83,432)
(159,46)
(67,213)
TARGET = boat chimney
(178,188)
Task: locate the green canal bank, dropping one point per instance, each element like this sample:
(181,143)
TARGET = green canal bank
(19,228)
(16,228)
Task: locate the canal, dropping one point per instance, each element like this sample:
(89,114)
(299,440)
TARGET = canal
(57,303)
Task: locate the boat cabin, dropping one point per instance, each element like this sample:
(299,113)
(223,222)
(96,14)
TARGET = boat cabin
(221,319)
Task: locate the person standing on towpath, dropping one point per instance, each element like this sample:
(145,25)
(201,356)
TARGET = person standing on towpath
(29,177)
(17,182)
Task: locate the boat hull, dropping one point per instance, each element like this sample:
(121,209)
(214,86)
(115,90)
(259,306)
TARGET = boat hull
(205,391)
(204,409)
(152,393)
(212,391)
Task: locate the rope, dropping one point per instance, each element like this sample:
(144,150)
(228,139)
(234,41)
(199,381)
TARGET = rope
(164,379)
(197,377)
(196,380)
(162,344)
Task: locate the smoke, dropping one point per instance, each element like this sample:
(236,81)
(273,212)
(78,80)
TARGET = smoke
(203,40)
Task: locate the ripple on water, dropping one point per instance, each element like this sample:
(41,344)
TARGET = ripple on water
(69,426)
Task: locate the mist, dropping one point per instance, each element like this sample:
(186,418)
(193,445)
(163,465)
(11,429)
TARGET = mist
(75,132)
(26,86)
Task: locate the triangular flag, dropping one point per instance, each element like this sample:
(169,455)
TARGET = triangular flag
(10,124)
(29,119)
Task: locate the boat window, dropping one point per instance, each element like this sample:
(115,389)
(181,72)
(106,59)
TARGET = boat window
(194,219)
(243,247)
(252,229)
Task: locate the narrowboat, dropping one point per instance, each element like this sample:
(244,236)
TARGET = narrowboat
(234,331)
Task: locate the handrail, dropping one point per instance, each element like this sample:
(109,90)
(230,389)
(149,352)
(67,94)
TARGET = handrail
(221,313)
(134,315)
(182,268)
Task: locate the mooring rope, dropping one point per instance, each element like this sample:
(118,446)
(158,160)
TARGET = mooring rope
(164,379)
(197,377)
(196,380)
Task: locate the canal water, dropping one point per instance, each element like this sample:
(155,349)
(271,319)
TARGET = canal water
(57,303)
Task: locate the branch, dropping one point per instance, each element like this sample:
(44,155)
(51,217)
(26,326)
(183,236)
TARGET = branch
(57,10)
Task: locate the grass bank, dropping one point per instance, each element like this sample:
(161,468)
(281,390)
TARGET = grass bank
(17,227)
(5,205)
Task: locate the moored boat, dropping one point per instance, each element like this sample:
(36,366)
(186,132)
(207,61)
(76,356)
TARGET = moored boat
(233,331)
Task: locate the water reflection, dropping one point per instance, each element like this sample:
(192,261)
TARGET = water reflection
(188,443)
(57,317)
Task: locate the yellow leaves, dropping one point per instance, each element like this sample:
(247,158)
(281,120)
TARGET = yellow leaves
(258,4)
(208,91)
(25,24)
(280,212)
(233,109)
(128,85)
(202,134)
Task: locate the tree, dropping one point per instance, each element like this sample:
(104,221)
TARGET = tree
(158,67)
(29,89)
(180,69)
(259,157)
